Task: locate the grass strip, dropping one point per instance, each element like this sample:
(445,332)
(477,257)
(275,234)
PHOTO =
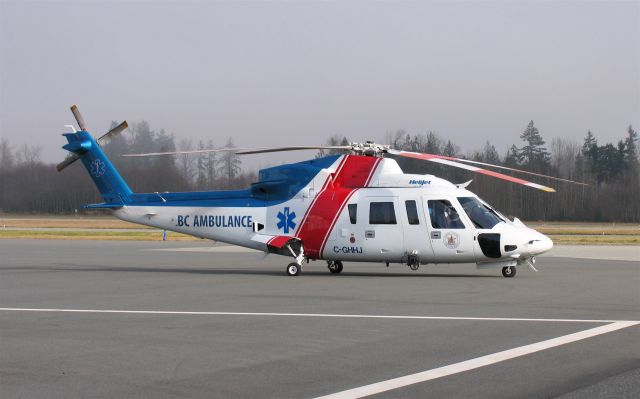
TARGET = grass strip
(561,239)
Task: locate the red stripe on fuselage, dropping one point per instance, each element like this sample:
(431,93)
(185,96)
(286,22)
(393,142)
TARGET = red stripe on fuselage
(326,184)
(354,172)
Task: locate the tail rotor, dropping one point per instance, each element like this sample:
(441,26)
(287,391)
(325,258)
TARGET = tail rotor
(102,141)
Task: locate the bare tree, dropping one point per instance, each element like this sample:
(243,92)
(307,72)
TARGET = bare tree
(563,156)
(186,163)
(7,160)
(28,155)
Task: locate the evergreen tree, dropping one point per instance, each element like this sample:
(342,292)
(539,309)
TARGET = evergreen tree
(433,144)
(230,163)
(631,149)
(589,143)
(534,154)
(201,169)
(335,140)
(450,149)
(512,158)
(488,154)
(186,162)
(210,165)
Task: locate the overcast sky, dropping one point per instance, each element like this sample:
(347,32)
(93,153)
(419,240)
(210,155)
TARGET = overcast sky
(285,73)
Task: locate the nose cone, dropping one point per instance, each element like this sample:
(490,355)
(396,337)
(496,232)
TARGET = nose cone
(540,244)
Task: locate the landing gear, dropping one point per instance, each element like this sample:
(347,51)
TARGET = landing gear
(335,266)
(293,269)
(413,260)
(509,271)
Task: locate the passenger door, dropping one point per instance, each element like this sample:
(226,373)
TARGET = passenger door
(383,229)
(416,233)
(451,239)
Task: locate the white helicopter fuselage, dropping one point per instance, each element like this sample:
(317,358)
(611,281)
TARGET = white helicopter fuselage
(340,215)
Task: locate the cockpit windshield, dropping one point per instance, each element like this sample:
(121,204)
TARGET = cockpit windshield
(482,216)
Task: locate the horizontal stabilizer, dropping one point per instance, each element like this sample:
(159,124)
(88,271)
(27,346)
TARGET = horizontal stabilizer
(104,205)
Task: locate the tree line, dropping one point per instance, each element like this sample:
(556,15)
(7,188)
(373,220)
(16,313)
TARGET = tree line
(29,185)
(611,172)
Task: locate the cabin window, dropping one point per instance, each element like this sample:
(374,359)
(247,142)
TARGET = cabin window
(481,215)
(412,212)
(382,213)
(353,213)
(443,215)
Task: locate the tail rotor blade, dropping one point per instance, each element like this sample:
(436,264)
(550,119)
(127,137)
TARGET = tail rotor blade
(71,158)
(105,138)
(79,118)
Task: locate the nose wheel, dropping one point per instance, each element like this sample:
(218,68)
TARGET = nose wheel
(509,271)
(335,266)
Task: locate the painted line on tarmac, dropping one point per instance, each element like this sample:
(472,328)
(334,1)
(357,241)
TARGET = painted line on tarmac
(395,383)
(326,315)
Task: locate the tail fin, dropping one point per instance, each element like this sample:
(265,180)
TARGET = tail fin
(82,146)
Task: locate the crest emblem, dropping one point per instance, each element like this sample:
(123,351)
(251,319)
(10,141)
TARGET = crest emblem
(97,168)
(451,240)
(286,220)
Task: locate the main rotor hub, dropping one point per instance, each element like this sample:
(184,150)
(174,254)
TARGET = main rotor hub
(369,149)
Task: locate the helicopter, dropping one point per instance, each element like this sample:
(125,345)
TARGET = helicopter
(353,207)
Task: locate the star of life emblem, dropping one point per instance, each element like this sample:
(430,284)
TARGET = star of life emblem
(286,220)
(97,168)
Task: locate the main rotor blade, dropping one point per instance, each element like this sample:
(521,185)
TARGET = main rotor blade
(296,148)
(511,169)
(105,138)
(155,154)
(79,118)
(241,151)
(449,162)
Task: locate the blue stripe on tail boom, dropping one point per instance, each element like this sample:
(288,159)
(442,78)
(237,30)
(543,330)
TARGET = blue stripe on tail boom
(275,185)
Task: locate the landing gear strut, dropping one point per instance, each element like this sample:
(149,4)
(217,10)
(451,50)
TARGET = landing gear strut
(509,271)
(335,266)
(294,268)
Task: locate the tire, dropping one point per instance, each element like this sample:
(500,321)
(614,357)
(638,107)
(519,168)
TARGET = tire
(293,269)
(509,271)
(335,267)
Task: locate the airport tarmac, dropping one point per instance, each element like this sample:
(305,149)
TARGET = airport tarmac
(104,319)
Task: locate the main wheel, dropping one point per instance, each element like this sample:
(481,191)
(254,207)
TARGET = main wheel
(509,271)
(335,266)
(293,269)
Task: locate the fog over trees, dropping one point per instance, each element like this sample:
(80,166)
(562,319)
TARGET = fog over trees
(611,170)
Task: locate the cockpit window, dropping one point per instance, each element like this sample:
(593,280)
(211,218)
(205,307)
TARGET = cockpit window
(443,215)
(482,216)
